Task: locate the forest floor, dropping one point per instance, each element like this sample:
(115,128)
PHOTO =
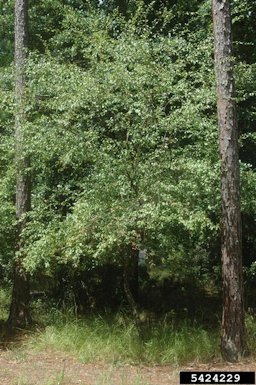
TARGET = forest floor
(50,368)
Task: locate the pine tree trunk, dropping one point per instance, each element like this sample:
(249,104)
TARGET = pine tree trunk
(19,311)
(233,344)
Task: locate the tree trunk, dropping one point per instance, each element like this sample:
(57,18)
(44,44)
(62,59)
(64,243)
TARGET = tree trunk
(131,287)
(131,279)
(19,311)
(233,344)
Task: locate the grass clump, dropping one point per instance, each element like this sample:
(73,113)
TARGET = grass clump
(187,342)
(116,340)
(251,331)
(91,340)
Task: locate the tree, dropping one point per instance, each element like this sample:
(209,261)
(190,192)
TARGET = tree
(19,310)
(233,342)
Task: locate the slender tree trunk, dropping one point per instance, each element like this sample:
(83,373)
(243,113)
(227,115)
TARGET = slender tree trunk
(233,343)
(131,279)
(19,311)
(131,286)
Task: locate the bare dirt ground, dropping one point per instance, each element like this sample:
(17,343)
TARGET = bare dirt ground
(51,368)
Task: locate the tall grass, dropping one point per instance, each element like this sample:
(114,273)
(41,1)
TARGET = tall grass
(116,340)
(251,332)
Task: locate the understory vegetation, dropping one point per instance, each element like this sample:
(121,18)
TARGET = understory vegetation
(115,339)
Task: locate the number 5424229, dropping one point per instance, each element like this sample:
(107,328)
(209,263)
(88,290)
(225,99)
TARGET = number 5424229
(217,378)
(226,378)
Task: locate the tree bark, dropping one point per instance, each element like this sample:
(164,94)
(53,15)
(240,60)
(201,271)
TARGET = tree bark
(131,286)
(233,342)
(19,315)
(131,278)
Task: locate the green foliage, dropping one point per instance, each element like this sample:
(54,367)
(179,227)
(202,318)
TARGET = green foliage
(7,210)
(121,129)
(131,161)
(6,32)
(5,296)
(251,332)
(243,14)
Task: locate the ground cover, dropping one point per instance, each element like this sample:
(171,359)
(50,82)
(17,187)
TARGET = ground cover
(51,368)
(62,348)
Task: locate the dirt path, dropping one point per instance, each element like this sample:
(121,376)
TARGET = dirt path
(57,369)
